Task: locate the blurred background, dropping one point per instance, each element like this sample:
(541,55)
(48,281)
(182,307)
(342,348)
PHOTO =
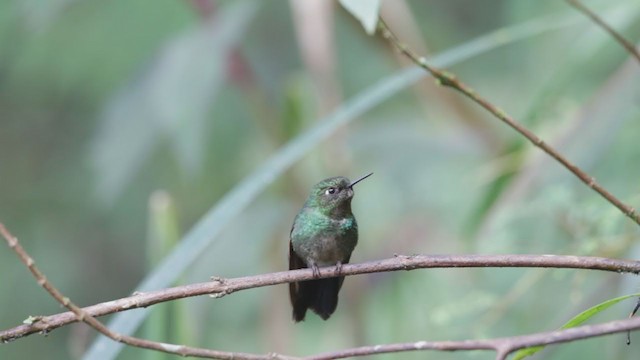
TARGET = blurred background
(123,122)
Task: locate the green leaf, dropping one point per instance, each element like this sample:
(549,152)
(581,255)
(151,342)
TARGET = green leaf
(365,11)
(575,321)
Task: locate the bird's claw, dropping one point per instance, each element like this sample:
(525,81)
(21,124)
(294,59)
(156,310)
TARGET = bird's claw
(316,270)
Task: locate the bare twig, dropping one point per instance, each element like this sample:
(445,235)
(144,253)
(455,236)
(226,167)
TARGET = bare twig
(502,346)
(82,315)
(447,79)
(219,287)
(619,38)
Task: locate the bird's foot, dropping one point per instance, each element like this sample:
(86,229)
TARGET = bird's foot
(338,268)
(316,270)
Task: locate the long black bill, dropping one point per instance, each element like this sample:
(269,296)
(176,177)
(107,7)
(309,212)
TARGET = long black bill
(357,181)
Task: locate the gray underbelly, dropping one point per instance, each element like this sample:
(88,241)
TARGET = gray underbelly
(325,251)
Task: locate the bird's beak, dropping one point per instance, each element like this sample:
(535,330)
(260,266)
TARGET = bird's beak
(357,181)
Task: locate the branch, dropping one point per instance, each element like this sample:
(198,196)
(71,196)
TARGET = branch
(220,287)
(619,38)
(447,79)
(82,315)
(502,346)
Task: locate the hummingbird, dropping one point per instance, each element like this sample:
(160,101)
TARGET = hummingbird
(324,233)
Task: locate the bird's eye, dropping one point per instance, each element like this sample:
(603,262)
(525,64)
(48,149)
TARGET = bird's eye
(330,191)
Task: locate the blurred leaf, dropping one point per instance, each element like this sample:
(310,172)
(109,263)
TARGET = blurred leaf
(170,100)
(587,126)
(575,321)
(40,14)
(168,320)
(296,106)
(163,235)
(237,199)
(365,11)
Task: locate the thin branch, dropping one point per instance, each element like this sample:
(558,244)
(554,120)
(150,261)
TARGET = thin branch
(445,78)
(221,287)
(84,316)
(619,38)
(502,346)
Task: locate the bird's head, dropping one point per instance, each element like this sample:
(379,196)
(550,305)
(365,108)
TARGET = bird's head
(333,195)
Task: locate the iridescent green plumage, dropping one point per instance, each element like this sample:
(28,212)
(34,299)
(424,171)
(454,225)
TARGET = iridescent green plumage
(324,233)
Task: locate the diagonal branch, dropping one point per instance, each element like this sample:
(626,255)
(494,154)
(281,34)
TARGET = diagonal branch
(619,38)
(82,315)
(221,287)
(447,79)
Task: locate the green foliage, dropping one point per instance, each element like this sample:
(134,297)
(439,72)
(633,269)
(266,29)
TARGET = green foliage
(104,103)
(575,321)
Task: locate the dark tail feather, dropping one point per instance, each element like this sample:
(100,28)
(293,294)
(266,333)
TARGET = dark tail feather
(298,297)
(320,295)
(326,298)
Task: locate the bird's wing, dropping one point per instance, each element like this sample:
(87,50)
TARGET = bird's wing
(297,293)
(295,261)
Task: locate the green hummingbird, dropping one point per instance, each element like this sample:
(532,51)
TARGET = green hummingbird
(324,233)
